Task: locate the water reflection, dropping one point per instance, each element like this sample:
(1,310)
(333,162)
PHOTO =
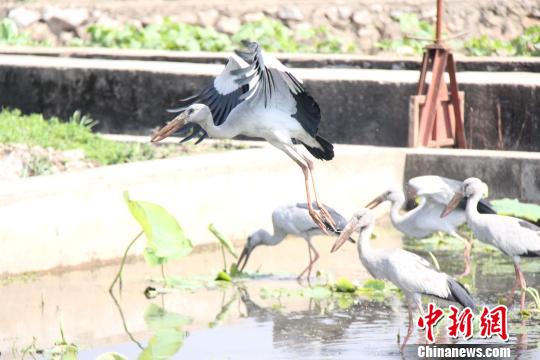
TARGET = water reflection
(246,325)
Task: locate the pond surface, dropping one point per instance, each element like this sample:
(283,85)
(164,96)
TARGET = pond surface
(264,317)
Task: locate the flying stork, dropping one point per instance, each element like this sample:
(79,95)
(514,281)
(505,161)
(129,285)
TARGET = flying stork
(257,96)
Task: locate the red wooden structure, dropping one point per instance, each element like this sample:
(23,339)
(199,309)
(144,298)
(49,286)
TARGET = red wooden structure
(436,112)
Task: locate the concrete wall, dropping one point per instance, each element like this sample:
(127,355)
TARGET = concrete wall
(70,219)
(359,106)
(508,173)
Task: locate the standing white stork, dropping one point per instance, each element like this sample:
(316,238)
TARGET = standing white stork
(257,96)
(434,192)
(414,275)
(514,237)
(290,220)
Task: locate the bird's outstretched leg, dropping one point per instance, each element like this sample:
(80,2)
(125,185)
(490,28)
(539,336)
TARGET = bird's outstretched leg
(297,158)
(326,215)
(468,242)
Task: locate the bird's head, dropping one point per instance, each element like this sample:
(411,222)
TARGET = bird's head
(470,187)
(253,240)
(359,222)
(195,113)
(392,195)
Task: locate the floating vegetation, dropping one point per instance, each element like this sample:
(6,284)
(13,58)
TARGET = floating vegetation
(342,290)
(513,207)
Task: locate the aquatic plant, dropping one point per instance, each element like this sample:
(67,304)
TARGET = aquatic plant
(165,238)
(225,244)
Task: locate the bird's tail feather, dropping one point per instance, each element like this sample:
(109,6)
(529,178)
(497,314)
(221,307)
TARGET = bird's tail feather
(460,294)
(327,151)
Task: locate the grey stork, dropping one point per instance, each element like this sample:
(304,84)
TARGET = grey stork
(514,237)
(293,220)
(414,275)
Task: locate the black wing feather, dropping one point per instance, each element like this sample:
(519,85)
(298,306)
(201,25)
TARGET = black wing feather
(308,113)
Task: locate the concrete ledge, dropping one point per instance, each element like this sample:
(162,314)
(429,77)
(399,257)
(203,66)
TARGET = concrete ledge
(71,219)
(79,220)
(521,64)
(359,106)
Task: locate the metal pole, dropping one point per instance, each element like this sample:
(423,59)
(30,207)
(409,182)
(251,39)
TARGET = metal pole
(439,22)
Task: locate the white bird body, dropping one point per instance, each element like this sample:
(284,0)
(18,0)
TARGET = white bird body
(293,219)
(513,236)
(425,220)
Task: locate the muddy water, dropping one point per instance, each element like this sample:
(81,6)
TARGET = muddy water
(238,322)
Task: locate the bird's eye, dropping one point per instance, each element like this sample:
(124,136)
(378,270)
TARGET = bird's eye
(190,111)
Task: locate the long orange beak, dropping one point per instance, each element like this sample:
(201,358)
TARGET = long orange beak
(375,202)
(345,234)
(453,204)
(170,128)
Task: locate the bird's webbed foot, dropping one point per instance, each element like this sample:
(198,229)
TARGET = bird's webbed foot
(319,220)
(327,218)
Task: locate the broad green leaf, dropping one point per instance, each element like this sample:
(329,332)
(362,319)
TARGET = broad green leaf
(513,207)
(165,238)
(226,243)
(111,356)
(344,285)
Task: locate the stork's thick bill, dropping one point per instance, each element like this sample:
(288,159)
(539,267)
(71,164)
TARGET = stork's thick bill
(453,204)
(345,234)
(243,259)
(171,127)
(375,202)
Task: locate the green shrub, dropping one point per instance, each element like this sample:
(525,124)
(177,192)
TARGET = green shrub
(10,35)
(35,130)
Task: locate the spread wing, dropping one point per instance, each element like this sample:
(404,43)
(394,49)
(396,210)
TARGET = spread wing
(275,85)
(221,96)
(441,190)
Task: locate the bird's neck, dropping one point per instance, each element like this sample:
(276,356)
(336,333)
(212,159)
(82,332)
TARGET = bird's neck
(272,239)
(223,131)
(471,209)
(364,241)
(395,216)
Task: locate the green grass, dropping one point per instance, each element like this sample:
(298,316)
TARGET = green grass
(35,130)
